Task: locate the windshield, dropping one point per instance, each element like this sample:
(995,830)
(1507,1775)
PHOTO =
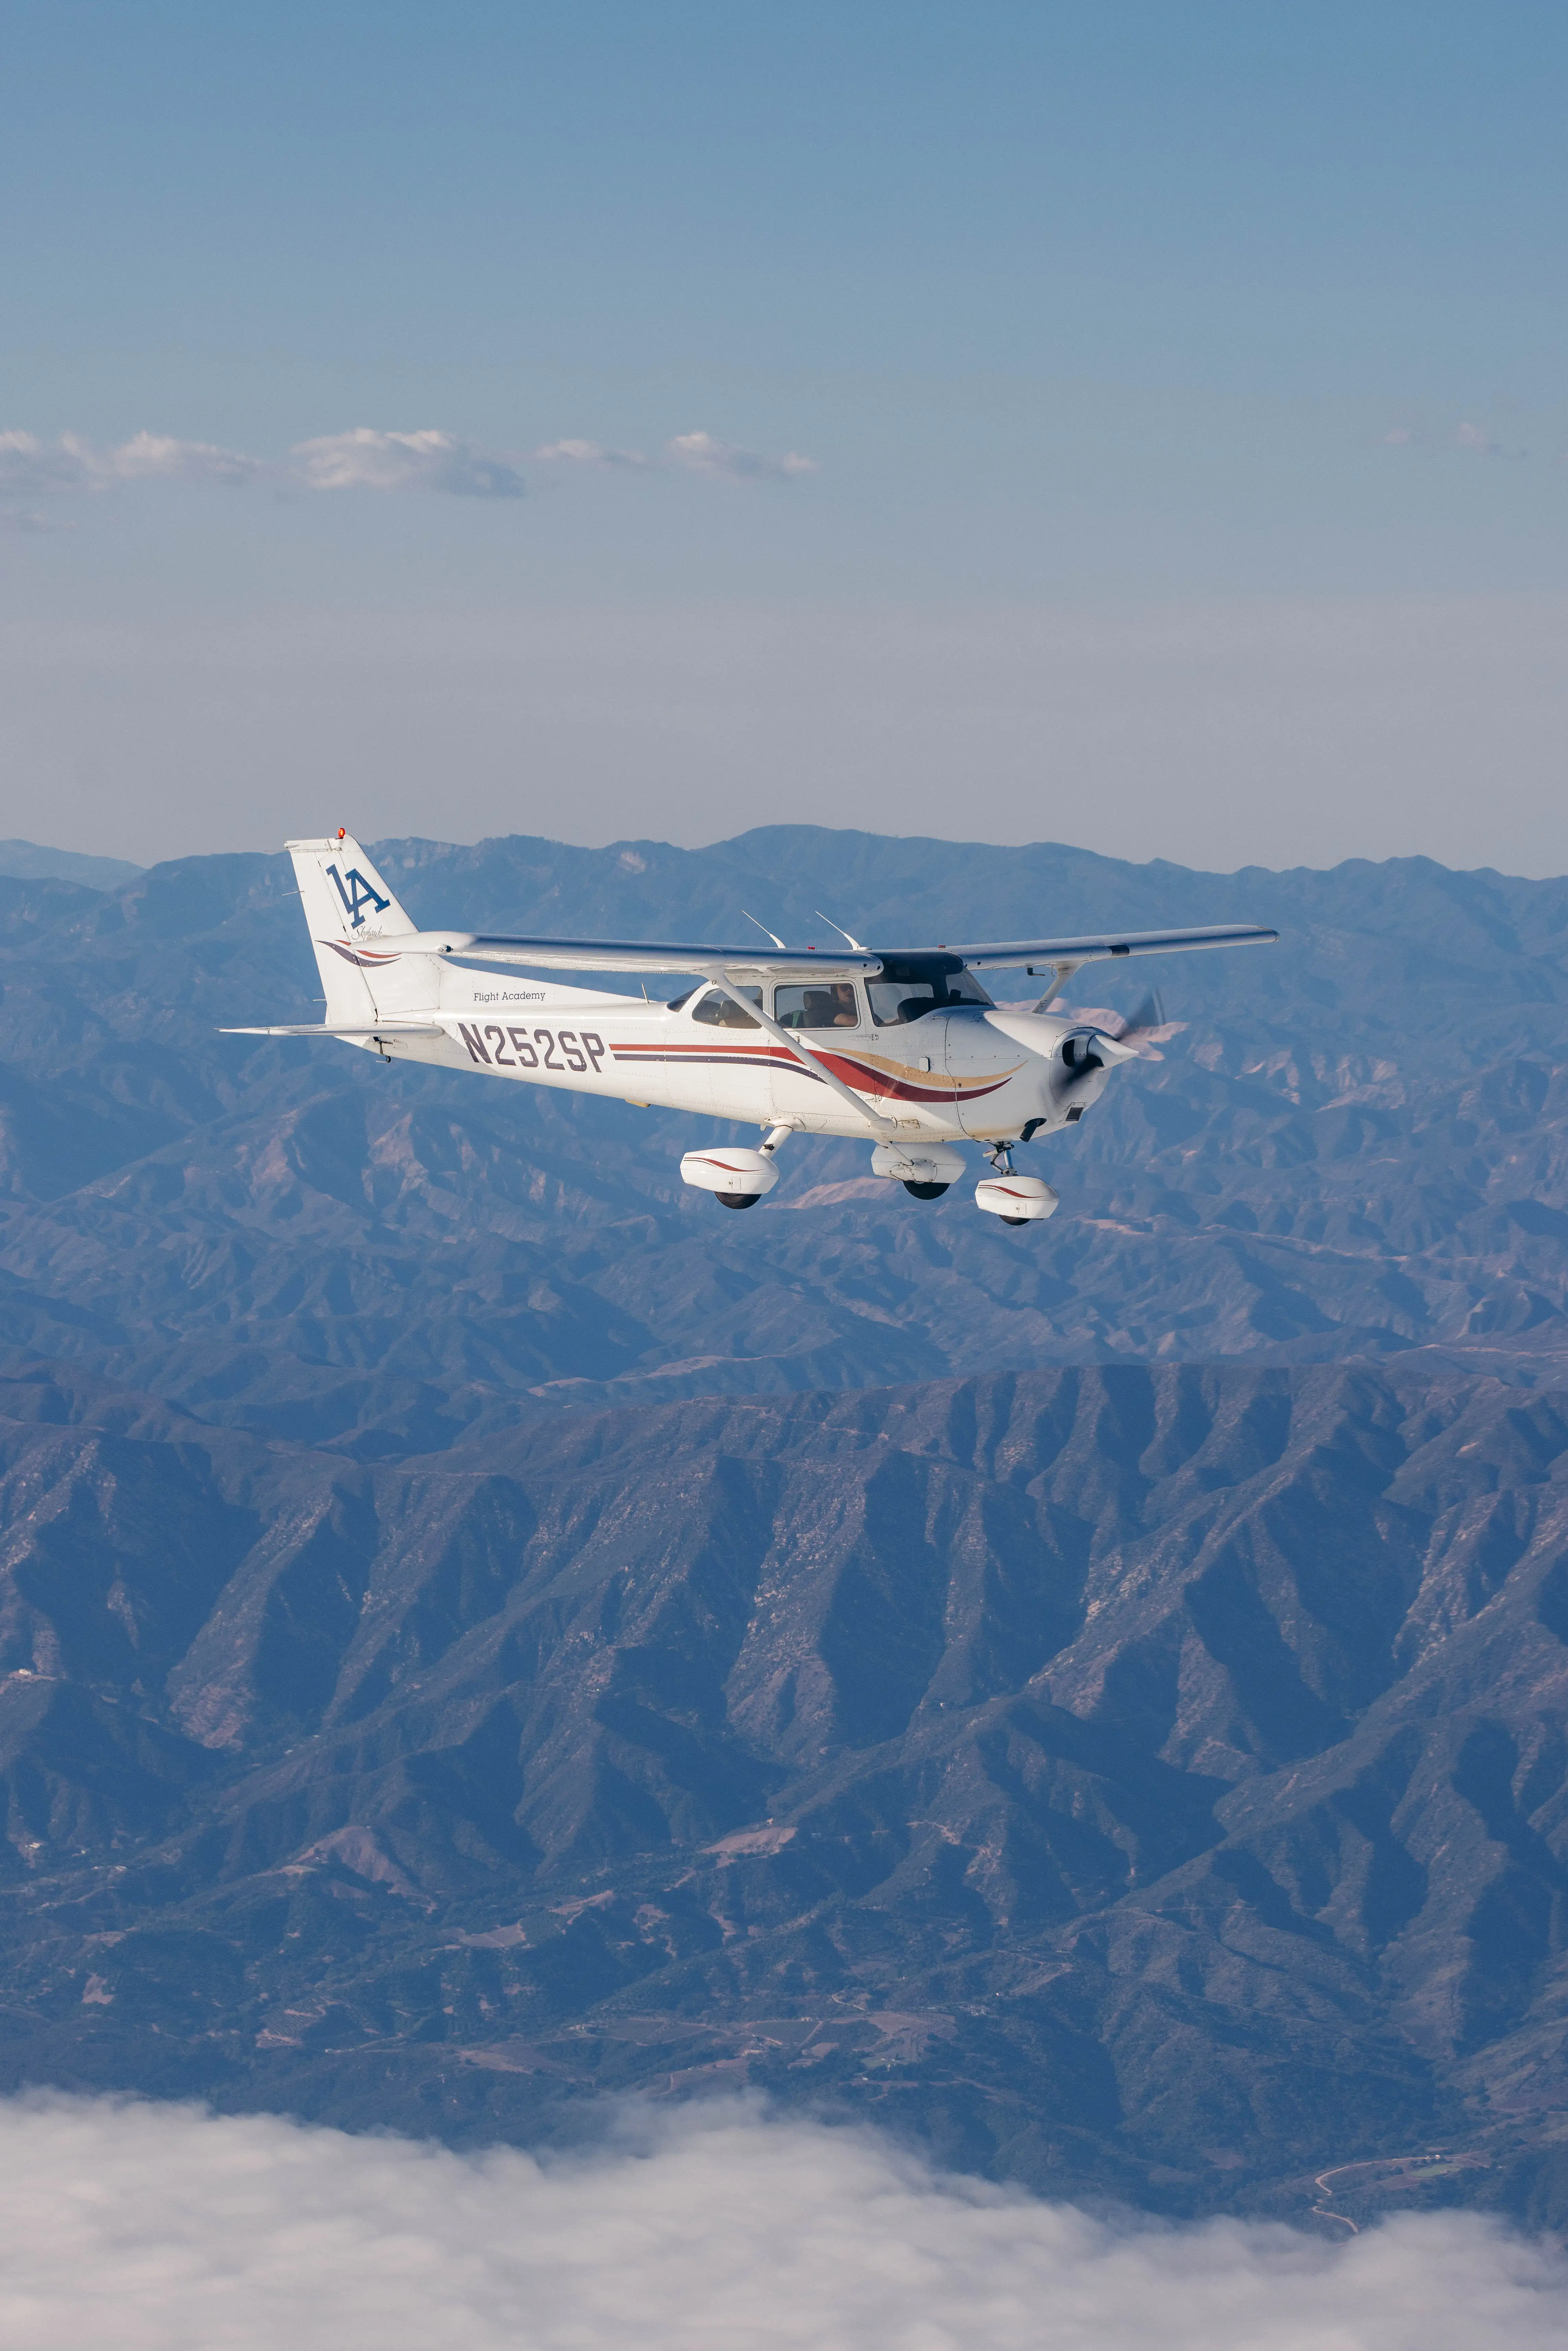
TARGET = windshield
(907,991)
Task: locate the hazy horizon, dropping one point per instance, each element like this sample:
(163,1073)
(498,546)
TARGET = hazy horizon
(1067,422)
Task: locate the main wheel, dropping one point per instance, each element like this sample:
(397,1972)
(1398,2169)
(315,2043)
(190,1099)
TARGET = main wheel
(924,1191)
(738,1199)
(1014,1220)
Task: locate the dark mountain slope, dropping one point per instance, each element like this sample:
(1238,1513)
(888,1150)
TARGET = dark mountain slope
(1149,1778)
(1353,1147)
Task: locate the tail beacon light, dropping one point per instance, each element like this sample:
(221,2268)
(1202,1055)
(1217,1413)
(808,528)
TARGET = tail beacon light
(1017,1199)
(736,1176)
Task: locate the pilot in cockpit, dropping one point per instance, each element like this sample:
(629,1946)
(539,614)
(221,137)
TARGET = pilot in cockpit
(829,1004)
(830,1007)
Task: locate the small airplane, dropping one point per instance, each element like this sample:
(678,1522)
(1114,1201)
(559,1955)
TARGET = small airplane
(900,1045)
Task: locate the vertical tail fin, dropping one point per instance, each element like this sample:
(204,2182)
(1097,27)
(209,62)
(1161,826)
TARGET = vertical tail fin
(355,925)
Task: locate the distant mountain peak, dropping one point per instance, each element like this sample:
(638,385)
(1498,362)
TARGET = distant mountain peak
(25,861)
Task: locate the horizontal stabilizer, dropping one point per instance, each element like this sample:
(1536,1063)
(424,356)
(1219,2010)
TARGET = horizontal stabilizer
(333,1029)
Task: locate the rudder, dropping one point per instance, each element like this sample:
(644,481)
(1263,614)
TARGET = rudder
(355,924)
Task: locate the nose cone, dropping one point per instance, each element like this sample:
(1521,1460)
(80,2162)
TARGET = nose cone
(1081,1066)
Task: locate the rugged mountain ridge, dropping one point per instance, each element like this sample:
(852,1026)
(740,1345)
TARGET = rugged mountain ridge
(1150,1779)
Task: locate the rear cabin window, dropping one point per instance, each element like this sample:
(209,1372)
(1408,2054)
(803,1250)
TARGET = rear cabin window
(720,1012)
(832,1006)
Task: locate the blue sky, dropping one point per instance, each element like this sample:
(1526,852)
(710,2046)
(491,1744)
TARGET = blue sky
(1142,425)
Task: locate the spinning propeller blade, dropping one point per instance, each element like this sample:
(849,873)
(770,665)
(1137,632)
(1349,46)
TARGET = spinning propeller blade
(1143,1021)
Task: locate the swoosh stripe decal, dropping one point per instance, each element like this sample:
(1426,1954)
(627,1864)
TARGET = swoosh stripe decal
(865,1081)
(366,958)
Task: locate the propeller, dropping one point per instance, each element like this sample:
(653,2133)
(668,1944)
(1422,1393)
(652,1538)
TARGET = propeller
(1145,1026)
(1142,1020)
(1084,1055)
(1092,1050)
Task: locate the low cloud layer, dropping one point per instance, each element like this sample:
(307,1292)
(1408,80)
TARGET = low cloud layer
(363,459)
(160,2228)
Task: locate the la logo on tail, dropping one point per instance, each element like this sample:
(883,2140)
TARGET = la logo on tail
(358,895)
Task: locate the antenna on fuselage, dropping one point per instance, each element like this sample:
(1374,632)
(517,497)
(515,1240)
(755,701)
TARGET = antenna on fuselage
(841,930)
(770,935)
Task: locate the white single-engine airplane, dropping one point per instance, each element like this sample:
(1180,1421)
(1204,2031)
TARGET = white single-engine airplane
(903,1046)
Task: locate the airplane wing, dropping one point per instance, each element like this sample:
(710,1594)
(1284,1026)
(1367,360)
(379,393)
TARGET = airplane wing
(635,954)
(1012,955)
(782,963)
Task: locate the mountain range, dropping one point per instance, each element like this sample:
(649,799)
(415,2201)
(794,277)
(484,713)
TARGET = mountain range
(480,1625)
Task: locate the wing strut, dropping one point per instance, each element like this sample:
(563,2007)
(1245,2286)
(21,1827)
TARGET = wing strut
(1063,973)
(878,1125)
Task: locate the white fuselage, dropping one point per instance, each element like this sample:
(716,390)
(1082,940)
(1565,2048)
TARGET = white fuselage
(980,1072)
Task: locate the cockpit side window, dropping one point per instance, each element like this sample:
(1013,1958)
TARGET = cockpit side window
(830,1006)
(908,990)
(718,1010)
(897,1000)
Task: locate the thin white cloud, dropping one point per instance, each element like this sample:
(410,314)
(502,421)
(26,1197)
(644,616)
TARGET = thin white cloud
(31,468)
(1478,439)
(164,2229)
(154,456)
(30,524)
(699,452)
(365,459)
(591,452)
(1484,442)
(689,453)
(36,467)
